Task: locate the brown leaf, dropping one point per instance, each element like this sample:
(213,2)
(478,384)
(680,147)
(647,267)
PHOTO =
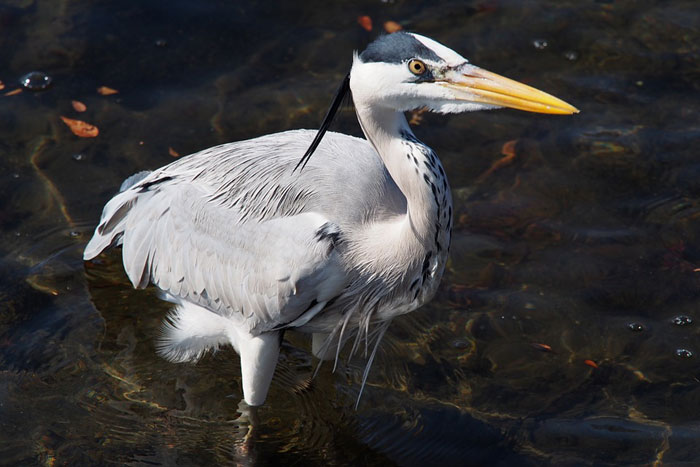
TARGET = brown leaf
(173,152)
(365,22)
(78,106)
(14,92)
(2,85)
(508,148)
(509,155)
(542,347)
(80,128)
(417,116)
(105,91)
(591,363)
(392,26)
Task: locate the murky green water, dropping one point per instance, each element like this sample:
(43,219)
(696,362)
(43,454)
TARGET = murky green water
(566,330)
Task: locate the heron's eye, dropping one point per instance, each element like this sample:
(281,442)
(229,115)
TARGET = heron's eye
(416,66)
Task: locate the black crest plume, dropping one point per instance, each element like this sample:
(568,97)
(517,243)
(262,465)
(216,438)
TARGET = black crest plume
(326,123)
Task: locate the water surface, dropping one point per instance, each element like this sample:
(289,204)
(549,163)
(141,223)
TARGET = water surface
(566,330)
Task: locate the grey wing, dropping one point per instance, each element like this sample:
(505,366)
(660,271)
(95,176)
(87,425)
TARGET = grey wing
(235,229)
(263,273)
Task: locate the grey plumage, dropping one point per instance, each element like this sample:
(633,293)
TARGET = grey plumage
(246,246)
(251,185)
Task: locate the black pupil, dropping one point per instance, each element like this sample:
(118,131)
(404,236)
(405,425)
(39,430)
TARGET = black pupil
(417,66)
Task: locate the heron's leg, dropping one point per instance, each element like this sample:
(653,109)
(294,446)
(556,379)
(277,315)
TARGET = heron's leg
(259,356)
(247,426)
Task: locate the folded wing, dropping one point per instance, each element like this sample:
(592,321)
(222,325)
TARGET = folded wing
(266,274)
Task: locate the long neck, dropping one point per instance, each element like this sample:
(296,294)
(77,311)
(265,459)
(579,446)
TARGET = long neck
(417,172)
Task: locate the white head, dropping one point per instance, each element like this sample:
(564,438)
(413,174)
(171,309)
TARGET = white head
(405,71)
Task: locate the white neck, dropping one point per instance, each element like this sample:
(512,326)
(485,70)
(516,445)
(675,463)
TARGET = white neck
(415,169)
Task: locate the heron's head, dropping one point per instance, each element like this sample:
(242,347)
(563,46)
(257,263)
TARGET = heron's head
(405,71)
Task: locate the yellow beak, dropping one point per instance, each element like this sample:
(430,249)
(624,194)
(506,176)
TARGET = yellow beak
(479,85)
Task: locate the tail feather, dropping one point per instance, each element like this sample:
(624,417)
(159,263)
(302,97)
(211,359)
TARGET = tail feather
(110,230)
(190,331)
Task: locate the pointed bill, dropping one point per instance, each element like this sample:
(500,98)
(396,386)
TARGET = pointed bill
(478,85)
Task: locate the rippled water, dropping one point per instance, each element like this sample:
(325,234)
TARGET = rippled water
(566,330)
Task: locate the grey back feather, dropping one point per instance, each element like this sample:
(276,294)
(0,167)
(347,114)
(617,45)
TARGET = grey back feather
(234,229)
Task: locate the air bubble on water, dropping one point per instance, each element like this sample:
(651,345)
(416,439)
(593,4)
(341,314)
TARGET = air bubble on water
(684,353)
(571,55)
(35,81)
(540,44)
(682,320)
(78,157)
(160,42)
(460,344)
(74,233)
(635,327)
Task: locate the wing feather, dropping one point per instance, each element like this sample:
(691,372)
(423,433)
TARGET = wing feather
(237,223)
(265,273)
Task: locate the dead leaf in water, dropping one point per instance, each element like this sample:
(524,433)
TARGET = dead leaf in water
(78,106)
(173,152)
(14,92)
(417,116)
(81,128)
(542,347)
(509,155)
(508,148)
(2,85)
(591,363)
(106,91)
(365,22)
(392,26)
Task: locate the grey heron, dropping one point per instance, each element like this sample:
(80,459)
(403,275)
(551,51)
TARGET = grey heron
(248,240)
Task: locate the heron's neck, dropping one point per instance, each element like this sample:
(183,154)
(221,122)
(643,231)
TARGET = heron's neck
(416,170)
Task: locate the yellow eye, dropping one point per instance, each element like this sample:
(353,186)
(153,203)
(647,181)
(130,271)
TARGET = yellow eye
(417,67)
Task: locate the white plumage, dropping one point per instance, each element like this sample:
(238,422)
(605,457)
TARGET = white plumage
(246,246)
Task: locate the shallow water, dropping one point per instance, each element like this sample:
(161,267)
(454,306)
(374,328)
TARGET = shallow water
(566,330)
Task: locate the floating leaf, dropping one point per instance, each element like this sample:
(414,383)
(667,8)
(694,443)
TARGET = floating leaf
(508,148)
(392,26)
(173,152)
(78,106)
(2,85)
(591,363)
(509,154)
(542,347)
(14,92)
(105,91)
(365,22)
(417,116)
(80,128)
